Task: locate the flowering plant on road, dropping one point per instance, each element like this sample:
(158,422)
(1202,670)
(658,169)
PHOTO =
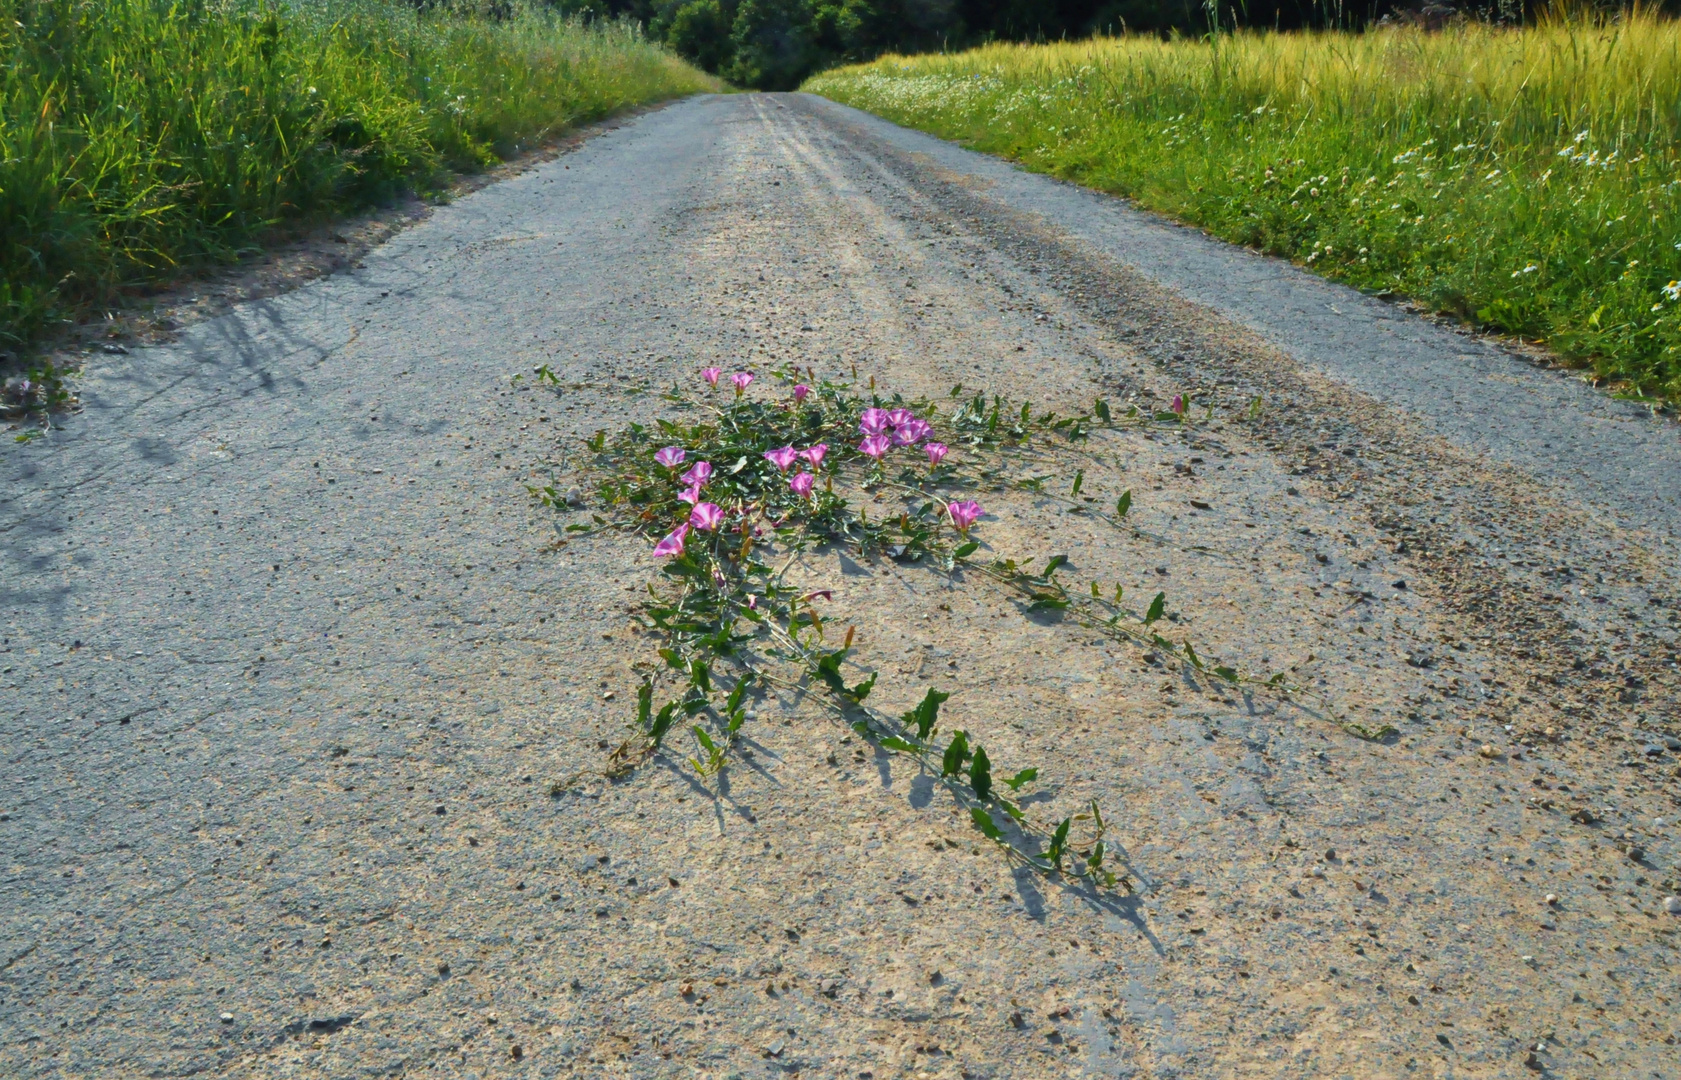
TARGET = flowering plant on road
(732,622)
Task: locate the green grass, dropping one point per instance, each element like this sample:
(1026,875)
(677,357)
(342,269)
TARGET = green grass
(143,139)
(1524,179)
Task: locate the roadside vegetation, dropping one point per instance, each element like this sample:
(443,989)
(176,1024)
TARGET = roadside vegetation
(141,139)
(1524,179)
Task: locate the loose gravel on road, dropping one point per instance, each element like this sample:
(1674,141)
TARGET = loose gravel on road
(290,663)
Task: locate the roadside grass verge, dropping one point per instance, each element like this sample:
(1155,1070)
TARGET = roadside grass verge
(1522,179)
(141,139)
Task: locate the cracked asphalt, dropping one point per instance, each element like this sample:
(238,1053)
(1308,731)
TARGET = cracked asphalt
(289,661)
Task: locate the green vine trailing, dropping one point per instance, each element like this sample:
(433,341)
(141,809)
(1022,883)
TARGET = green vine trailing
(733,496)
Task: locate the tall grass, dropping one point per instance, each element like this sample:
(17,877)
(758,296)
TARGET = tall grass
(1526,179)
(139,138)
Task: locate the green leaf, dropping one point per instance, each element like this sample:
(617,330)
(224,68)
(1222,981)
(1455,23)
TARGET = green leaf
(1118,593)
(965,550)
(828,669)
(889,742)
(956,752)
(662,722)
(644,704)
(705,739)
(1059,843)
(733,702)
(670,656)
(1079,479)
(1026,411)
(1124,503)
(1025,776)
(701,675)
(1157,606)
(1012,809)
(927,713)
(1051,567)
(737,718)
(983,821)
(1191,655)
(1047,602)
(862,690)
(1101,409)
(1227,674)
(980,774)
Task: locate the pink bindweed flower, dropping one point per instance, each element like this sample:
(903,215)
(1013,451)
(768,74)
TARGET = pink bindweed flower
(710,374)
(964,514)
(818,594)
(800,392)
(801,484)
(671,456)
(706,516)
(815,454)
(752,603)
(690,495)
(875,446)
(900,417)
(936,452)
(782,458)
(911,432)
(873,422)
(699,475)
(673,544)
(741,380)
(1178,405)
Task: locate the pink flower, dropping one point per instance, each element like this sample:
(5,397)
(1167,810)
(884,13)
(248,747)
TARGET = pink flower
(818,594)
(710,374)
(900,417)
(1178,403)
(671,456)
(800,392)
(741,379)
(690,495)
(814,454)
(752,603)
(782,458)
(875,446)
(873,422)
(964,514)
(912,431)
(673,544)
(699,475)
(801,484)
(706,516)
(936,451)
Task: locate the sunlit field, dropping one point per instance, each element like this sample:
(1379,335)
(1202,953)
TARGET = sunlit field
(141,138)
(1523,179)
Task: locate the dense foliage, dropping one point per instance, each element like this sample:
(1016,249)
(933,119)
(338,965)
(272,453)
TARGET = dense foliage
(1528,180)
(776,44)
(141,137)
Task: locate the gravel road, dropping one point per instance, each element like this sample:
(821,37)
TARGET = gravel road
(290,662)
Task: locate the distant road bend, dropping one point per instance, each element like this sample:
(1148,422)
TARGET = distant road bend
(290,659)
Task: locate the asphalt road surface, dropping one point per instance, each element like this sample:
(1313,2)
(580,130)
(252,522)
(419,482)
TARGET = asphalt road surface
(290,662)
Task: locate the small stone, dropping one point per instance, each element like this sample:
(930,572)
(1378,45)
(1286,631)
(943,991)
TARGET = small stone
(1550,900)
(1489,750)
(516,1051)
(686,990)
(227,1018)
(1672,904)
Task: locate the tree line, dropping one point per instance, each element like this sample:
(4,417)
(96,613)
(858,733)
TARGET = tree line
(777,44)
